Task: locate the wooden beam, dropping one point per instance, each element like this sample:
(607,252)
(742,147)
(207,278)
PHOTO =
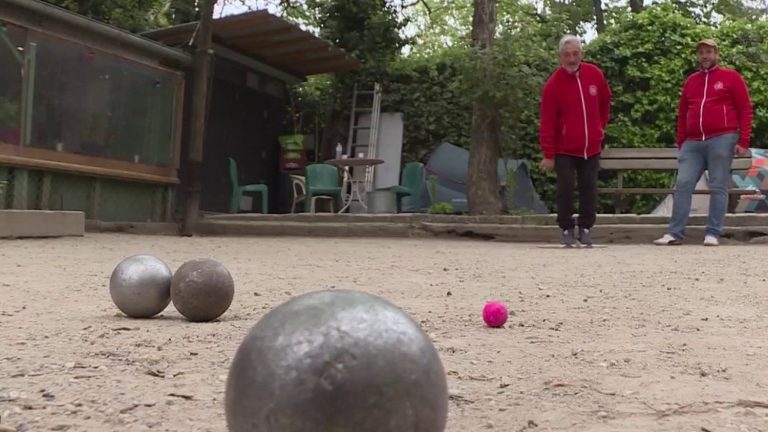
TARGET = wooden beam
(638,164)
(304,56)
(639,153)
(233,25)
(45,155)
(257,40)
(201,70)
(641,191)
(289,46)
(256,65)
(245,19)
(660,164)
(254,32)
(86,170)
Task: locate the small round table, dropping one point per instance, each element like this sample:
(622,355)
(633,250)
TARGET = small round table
(345,164)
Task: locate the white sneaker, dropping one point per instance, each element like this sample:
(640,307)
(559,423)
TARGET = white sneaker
(667,240)
(710,240)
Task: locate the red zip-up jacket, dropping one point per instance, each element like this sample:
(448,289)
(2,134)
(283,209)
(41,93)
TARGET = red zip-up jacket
(575,109)
(714,102)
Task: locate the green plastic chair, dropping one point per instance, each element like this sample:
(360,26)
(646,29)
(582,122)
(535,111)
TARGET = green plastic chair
(410,187)
(238,190)
(322,180)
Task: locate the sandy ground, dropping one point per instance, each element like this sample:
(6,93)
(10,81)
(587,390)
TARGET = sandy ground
(624,338)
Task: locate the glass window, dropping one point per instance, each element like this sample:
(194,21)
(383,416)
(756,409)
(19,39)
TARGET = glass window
(90,102)
(12,41)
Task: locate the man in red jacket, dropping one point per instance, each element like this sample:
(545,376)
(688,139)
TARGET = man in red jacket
(714,123)
(575,107)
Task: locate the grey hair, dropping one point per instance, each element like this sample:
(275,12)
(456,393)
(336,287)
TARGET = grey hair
(568,39)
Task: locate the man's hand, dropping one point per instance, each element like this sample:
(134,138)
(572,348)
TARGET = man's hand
(547,164)
(740,151)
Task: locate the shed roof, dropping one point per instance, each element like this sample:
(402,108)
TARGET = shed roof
(269,39)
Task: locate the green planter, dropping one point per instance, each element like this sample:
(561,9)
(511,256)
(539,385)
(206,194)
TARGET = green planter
(291,142)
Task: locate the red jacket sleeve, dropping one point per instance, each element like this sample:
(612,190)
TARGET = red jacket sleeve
(744,107)
(548,120)
(682,114)
(605,102)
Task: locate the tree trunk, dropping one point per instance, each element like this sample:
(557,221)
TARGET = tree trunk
(334,132)
(636,6)
(599,16)
(336,127)
(483,187)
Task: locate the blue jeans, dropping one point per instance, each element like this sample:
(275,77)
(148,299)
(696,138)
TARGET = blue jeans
(714,155)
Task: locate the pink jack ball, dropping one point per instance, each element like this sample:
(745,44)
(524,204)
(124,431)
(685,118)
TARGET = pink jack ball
(495,314)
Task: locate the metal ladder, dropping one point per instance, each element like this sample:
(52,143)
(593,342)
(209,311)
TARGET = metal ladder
(369,149)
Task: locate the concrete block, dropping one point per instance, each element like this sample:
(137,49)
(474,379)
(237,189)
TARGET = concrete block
(41,223)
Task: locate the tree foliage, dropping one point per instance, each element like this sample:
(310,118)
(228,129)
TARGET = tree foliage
(368,29)
(133,15)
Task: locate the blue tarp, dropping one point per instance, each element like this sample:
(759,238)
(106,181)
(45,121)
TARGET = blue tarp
(450,163)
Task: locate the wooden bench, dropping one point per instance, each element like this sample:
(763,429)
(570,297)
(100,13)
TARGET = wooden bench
(622,160)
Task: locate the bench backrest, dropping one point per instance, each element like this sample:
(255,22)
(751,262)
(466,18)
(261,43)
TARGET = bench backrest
(652,159)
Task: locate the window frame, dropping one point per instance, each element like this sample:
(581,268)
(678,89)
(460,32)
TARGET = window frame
(63,161)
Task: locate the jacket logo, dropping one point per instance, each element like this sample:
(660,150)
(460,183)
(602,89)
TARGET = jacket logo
(719,85)
(593,90)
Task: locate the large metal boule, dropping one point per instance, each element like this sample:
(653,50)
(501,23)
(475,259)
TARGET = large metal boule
(341,361)
(140,286)
(202,289)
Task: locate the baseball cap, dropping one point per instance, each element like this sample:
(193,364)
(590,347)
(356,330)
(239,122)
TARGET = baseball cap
(708,42)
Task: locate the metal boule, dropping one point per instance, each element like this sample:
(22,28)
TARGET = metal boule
(202,289)
(339,360)
(140,286)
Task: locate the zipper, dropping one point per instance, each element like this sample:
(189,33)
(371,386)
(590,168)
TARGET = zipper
(701,110)
(584,110)
(725,117)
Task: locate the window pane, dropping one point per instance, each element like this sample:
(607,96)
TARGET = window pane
(99,104)
(11,49)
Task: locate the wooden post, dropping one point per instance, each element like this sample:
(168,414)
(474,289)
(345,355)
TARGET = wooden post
(618,192)
(45,191)
(158,204)
(202,63)
(20,189)
(168,214)
(95,200)
(28,90)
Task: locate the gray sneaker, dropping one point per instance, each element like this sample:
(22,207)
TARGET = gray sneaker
(566,239)
(584,237)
